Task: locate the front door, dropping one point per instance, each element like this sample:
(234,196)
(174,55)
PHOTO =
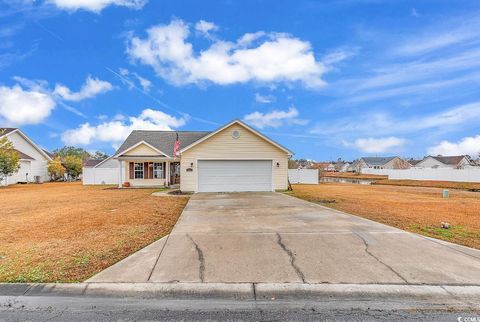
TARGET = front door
(175,172)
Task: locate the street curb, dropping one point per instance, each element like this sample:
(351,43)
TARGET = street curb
(251,291)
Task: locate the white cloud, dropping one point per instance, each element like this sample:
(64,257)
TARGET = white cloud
(21,107)
(448,33)
(91,88)
(264,99)
(274,58)
(378,145)
(205,27)
(96,5)
(128,78)
(116,130)
(447,120)
(468,145)
(276,118)
(145,83)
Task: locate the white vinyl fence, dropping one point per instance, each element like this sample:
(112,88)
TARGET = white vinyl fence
(308,176)
(460,175)
(100,176)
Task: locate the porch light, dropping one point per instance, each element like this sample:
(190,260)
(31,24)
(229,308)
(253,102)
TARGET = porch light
(191,164)
(278,165)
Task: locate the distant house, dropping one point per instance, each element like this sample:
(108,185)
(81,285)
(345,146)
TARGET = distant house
(323,166)
(414,162)
(452,162)
(380,163)
(33,159)
(330,167)
(344,167)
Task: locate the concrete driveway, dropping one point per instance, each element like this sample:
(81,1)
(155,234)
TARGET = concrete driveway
(274,238)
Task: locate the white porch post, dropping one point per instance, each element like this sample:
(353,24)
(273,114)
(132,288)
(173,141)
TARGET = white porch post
(119,173)
(167,173)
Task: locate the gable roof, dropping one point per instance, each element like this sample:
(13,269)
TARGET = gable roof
(9,130)
(450,160)
(6,130)
(243,125)
(24,156)
(414,162)
(50,154)
(377,161)
(160,140)
(142,143)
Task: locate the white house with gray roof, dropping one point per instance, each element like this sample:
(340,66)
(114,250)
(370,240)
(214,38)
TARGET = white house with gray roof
(394,162)
(235,157)
(33,159)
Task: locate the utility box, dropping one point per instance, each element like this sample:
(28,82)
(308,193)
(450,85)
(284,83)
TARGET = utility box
(445,193)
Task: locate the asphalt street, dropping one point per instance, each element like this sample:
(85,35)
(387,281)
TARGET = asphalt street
(47,308)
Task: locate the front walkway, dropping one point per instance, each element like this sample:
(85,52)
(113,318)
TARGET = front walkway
(274,238)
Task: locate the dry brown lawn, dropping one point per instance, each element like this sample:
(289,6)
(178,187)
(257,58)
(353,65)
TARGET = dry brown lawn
(66,232)
(435,184)
(352,175)
(416,209)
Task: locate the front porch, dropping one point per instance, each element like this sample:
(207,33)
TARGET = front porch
(148,172)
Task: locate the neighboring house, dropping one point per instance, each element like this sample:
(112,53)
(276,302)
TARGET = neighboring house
(330,167)
(233,158)
(33,159)
(323,166)
(344,167)
(453,162)
(380,163)
(414,162)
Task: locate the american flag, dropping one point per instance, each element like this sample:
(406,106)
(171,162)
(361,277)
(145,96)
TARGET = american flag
(176,148)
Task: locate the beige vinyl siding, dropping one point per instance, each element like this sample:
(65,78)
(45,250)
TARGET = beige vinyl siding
(222,146)
(143,149)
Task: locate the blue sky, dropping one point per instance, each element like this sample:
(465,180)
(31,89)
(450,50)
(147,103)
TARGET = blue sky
(327,79)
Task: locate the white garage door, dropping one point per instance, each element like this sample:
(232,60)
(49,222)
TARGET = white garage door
(234,175)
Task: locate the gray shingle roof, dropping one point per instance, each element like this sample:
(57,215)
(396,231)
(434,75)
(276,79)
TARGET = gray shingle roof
(162,140)
(24,156)
(377,161)
(50,154)
(451,160)
(414,162)
(6,130)
(90,163)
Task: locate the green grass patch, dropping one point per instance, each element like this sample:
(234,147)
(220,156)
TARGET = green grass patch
(454,232)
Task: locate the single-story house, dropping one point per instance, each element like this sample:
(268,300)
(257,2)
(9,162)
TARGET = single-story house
(343,167)
(33,159)
(232,158)
(452,162)
(414,162)
(324,166)
(380,163)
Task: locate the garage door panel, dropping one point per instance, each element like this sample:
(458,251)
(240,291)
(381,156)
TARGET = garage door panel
(234,175)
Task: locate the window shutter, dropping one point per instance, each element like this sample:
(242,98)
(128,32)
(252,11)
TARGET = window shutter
(145,170)
(131,169)
(164,170)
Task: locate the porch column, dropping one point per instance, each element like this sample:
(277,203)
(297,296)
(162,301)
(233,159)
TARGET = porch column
(119,173)
(167,173)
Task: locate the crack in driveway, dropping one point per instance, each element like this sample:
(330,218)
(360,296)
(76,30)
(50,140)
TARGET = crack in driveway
(201,259)
(291,255)
(378,259)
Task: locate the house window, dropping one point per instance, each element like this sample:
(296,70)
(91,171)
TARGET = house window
(158,170)
(138,171)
